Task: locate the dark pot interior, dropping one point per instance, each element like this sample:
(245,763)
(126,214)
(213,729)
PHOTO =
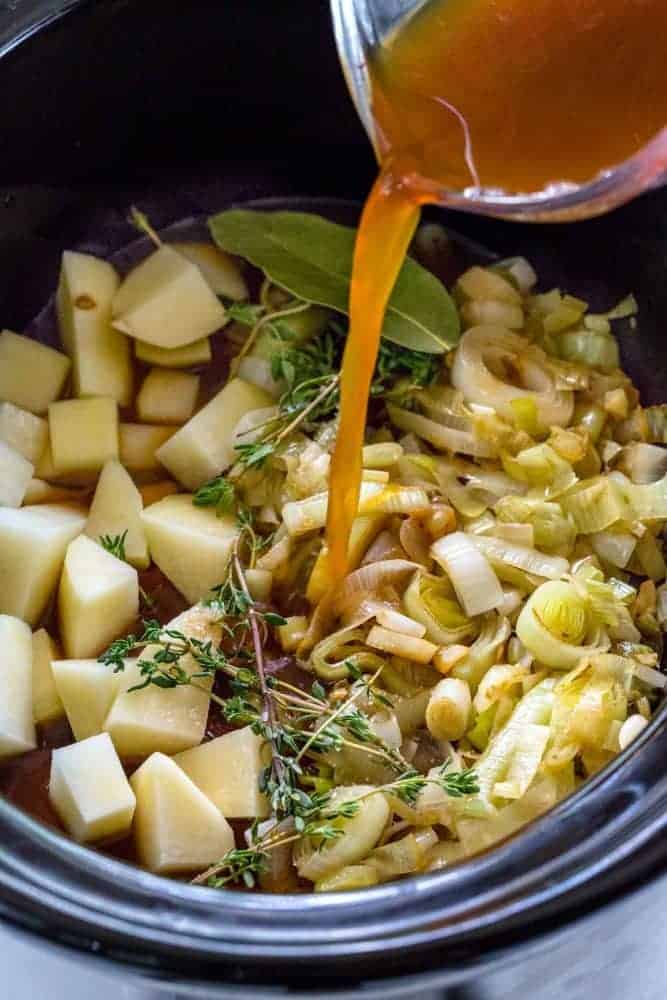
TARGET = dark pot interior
(184,109)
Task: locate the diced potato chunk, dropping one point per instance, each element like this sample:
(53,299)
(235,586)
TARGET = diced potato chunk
(227,770)
(139,444)
(46,703)
(204,447)
(23,431)
(221,270)
(39,491)
(87,690)
(15,474)
(98,599)
(167,397)
(89,791)
(166,301)
(158,719)
(31,375)
(176,828)
(116,510)
(17,729)
(33,542)
(191,545)
(45,469)
(101,356)
(83,433)
(197,353)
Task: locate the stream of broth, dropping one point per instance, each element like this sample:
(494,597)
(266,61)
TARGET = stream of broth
(506,94)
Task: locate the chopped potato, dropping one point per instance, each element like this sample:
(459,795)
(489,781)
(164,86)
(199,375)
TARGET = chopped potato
(197,353)
(17,729)
(158,719)
(46,703)
(89,791)
(227,770)
(32,375)
(39,491)
(87,690)
(204,447)
(101,356)
(166,301)
(177,829)
(33,542)
(15,475)
(116,512)
(221,270)
(46,470)
(138,446)
(191,545)
(23,431)
(98,599)
(83,433)
(167,397)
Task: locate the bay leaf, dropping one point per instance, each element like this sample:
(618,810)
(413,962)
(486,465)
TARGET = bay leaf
(311,258)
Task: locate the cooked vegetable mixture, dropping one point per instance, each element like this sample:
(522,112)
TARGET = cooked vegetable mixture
(164,579)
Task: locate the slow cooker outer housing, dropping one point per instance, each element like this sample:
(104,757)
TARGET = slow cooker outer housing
(185,109)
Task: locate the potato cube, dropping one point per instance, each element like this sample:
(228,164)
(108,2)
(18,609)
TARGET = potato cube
(197,353)
(23,431)
(46,703)
(33,542)
(204,447)
(138,446)
(45,469)
(17,729)
(15,474)
(191,545)
(89,791)
(32,375)
(83,433)
(221,270)
(177,829)
(167,397)
(166,301)
(101,356)
(87,690)
(164,719)
(39,491)
(116,510)
(227,770)
(98,599)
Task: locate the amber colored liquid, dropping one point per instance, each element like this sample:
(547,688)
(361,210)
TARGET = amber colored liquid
(509,94)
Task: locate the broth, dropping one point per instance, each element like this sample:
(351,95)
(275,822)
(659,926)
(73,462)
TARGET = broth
(506,94)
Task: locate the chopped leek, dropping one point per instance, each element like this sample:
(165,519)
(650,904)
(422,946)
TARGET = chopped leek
(555,625)
(474,581)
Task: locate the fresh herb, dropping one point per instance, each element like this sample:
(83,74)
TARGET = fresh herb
(219,493)
(244,312)
(115,545)
(311,258)
(319,823)
(163,668)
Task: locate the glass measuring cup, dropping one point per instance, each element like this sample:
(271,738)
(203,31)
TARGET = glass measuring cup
(363,26)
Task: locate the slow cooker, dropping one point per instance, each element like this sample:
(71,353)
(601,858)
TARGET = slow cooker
(184,109)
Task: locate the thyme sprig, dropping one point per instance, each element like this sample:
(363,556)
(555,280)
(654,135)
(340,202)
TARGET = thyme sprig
(319,824)
(163,669)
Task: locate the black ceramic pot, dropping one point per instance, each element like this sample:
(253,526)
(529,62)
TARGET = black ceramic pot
(185,108)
